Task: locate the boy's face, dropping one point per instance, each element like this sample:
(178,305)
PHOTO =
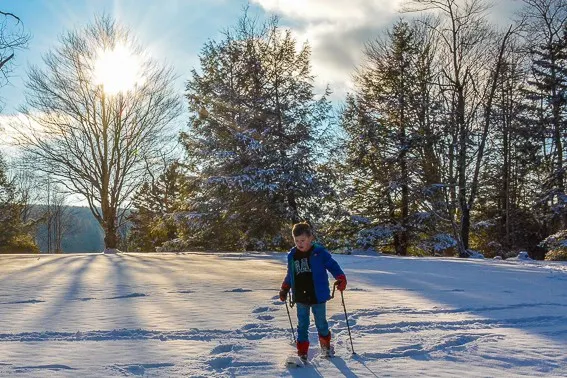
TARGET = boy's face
(303,242)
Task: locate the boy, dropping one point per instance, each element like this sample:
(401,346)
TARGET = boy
(307,266)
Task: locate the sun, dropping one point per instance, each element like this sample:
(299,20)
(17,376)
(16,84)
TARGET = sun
(117,70)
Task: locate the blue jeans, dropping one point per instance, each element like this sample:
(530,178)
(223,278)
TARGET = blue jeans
(319,313)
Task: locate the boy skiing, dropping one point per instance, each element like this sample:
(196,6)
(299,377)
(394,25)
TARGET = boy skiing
(307,266)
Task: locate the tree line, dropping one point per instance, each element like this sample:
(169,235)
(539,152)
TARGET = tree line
(451,140)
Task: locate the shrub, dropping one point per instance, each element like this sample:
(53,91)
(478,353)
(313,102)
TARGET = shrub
(556,246)
(22,243)
(555,241)
(556,255)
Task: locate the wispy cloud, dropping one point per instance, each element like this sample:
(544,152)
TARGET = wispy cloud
(337,31)
(330,10)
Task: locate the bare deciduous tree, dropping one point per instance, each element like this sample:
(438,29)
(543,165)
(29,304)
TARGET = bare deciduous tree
(472,59)
(58,217)
(97,142)
(12,37)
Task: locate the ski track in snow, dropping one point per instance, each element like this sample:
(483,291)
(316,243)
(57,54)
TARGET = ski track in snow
(139,369)
(397,329)
(255,331)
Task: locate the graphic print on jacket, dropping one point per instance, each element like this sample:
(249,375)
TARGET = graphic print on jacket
(304,286)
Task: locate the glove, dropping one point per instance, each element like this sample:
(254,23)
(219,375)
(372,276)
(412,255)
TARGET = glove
(341,282)
(283,292)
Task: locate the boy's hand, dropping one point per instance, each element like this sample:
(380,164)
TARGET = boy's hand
(283,292)
(341,282)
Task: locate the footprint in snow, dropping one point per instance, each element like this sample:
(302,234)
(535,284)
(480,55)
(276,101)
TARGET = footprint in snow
(265,317)
(277,301)
(181,292)
(239,290)
(132,295)
(262,309)
(226,348)
(220,363)
(252,326)
(139,369)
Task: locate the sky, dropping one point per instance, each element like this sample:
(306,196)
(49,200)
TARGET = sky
(174,31)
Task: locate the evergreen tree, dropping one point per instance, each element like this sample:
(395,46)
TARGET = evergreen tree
(388,123)
(546,104)
(9,217)
(256,136)
(154,204)
(13,235)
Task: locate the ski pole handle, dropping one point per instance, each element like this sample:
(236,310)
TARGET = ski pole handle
(291,301)
(334,287)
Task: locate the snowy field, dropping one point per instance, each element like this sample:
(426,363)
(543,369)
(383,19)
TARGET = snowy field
(217,315)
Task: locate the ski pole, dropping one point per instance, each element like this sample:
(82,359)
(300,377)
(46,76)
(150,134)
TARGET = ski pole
(334,287)
(348,326)
(290,323)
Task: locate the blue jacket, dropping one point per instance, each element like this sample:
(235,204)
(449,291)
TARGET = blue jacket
(320,261)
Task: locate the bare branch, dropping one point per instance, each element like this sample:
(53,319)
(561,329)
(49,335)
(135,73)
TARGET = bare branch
(97,144)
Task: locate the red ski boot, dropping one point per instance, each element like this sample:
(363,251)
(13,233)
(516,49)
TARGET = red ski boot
(327,349)
(302,349)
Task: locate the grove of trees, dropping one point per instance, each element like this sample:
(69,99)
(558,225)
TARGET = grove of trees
(452,139)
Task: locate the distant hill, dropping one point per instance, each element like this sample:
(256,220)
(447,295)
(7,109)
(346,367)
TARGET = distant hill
(87,235)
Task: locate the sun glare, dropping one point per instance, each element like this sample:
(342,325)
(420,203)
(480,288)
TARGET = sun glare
(117,70)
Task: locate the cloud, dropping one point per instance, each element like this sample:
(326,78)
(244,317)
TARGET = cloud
(325,10)
(336,31)
(8,135)
(14,129)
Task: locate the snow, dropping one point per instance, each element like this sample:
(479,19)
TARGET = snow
(522,255)
(218,315)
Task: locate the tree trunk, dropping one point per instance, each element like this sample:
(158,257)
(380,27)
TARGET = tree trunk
(110,235)
(403,248)
(403,242)
(462,170)
(292,203)
(557,126)
(109,224)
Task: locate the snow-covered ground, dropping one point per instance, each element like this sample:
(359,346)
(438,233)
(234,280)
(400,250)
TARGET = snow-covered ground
(203,315)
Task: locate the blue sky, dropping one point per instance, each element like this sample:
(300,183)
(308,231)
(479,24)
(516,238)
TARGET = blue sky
(172,30)
(175,30)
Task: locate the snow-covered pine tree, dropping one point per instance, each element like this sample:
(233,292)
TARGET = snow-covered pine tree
(390,132)
(14,237)
(255,136)
(154,206)
(546,103)
(9,218)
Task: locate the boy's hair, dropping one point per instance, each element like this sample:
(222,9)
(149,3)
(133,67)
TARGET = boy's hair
(302,228)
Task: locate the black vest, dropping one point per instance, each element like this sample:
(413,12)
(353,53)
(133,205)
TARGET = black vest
(303,280)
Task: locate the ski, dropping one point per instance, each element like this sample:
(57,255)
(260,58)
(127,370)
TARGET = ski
(295,361)
(327,353)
